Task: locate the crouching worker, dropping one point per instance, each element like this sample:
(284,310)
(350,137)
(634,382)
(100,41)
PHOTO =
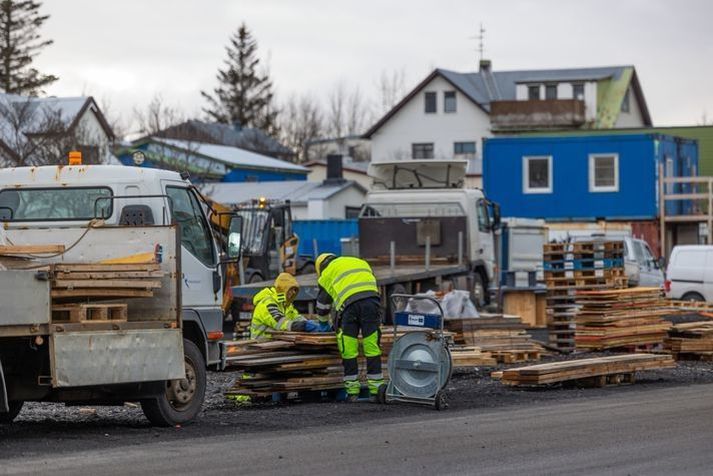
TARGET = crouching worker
(348,284)
(273,308)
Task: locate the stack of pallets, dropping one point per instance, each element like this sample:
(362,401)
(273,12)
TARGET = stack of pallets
(502,338)
(691,341)
(570,267)
(599,371)
(79,291)
(616,318)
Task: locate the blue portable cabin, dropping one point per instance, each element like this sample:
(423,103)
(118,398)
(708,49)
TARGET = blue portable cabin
(586,178)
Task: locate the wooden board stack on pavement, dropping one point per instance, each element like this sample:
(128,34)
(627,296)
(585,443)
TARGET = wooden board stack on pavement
(601,371)
(503,337)
(617,318)
(691,341)
(571,267)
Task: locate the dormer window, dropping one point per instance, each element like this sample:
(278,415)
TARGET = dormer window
(533,92)
(430,99)
(551,91)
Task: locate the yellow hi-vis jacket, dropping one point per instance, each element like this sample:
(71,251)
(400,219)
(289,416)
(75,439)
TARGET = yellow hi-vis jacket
(271,313)
(346,279)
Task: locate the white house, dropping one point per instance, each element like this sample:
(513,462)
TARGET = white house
(448,114)
(36,131)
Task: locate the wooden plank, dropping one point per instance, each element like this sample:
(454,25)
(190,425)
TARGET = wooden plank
(110,275)
(90,267)
(99,292)
(106,283)
(30,249)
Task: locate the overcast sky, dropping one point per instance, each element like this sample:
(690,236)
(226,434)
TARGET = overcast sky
(127,51)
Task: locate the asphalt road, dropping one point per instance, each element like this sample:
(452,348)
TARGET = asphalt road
(658,431)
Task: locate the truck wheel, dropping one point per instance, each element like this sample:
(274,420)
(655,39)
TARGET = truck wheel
(693,296)
(15,408)
(183,398)
(478,295)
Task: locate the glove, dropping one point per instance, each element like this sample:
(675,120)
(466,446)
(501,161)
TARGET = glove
(312,326)
(299,326)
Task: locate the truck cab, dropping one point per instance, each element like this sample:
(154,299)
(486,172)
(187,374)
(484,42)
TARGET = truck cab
(64,197)
(421,204)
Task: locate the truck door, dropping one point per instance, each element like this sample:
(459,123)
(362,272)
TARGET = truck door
(198,257)
(288,250)
(485,251)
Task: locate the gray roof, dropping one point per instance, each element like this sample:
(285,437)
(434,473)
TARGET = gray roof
(232,155)
(226,134)
(483,87)
(347,163)
(297,191)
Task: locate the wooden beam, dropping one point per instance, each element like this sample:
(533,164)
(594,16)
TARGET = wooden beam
(30,249)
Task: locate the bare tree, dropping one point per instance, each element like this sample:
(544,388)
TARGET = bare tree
(113,118)
(391,88)
(347,112)
(300,122)
(157,116)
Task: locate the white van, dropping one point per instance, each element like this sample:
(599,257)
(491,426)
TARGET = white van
(689,275)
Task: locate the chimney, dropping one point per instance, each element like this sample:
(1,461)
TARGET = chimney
(334,169)
(484,65)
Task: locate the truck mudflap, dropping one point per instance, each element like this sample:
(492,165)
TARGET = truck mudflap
(109,357)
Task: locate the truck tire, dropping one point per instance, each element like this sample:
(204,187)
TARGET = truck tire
(183,398)
(15,408)
(693,296)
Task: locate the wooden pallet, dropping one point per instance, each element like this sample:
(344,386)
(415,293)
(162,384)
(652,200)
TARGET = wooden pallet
(89,312)
(573,370)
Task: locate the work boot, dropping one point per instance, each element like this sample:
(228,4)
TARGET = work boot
(352,398)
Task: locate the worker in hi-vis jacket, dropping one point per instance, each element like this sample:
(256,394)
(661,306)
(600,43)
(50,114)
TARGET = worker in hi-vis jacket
(348,285)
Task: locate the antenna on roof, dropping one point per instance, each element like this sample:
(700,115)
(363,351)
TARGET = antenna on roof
(481,42)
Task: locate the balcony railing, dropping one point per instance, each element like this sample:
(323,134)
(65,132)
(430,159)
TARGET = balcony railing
(537,114)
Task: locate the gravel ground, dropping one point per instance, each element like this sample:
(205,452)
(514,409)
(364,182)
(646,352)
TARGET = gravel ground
(45,427)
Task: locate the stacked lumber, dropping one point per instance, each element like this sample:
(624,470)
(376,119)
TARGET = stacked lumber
(615,318)
(602,370)
(471,356)
(502,337)
(291,362)
(572,267)
(111,281)
(691,341)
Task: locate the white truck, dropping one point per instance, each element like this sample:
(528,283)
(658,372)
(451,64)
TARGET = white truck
(419,226)
(102,212)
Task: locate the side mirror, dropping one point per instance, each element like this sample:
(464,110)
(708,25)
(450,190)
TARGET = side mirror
(661,262)
(496,215)
(235,234)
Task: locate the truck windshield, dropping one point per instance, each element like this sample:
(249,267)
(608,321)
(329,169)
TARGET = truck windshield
(412,210)
(254,230)
(51,204)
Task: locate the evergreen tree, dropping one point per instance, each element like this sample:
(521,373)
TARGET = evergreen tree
(20,42)
(244,93)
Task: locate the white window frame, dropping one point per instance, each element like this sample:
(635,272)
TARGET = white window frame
(593,188)
(526,174)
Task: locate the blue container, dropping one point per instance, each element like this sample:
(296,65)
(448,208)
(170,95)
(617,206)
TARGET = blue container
(570,194)
(328,234)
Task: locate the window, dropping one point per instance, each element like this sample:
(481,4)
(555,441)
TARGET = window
(187,213)
(551,91)
(578,91)
(351,212)
(430,102)
(537,174)
(462,148)
(52,204)
(484,224)
(625,102)
(422,151)
(449,101)
(604,173)
(533,92)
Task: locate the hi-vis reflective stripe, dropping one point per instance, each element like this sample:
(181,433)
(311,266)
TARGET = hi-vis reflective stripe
(281,323)
(322,306)
(258,329)
(340,296)
(378,376)
(347,273)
